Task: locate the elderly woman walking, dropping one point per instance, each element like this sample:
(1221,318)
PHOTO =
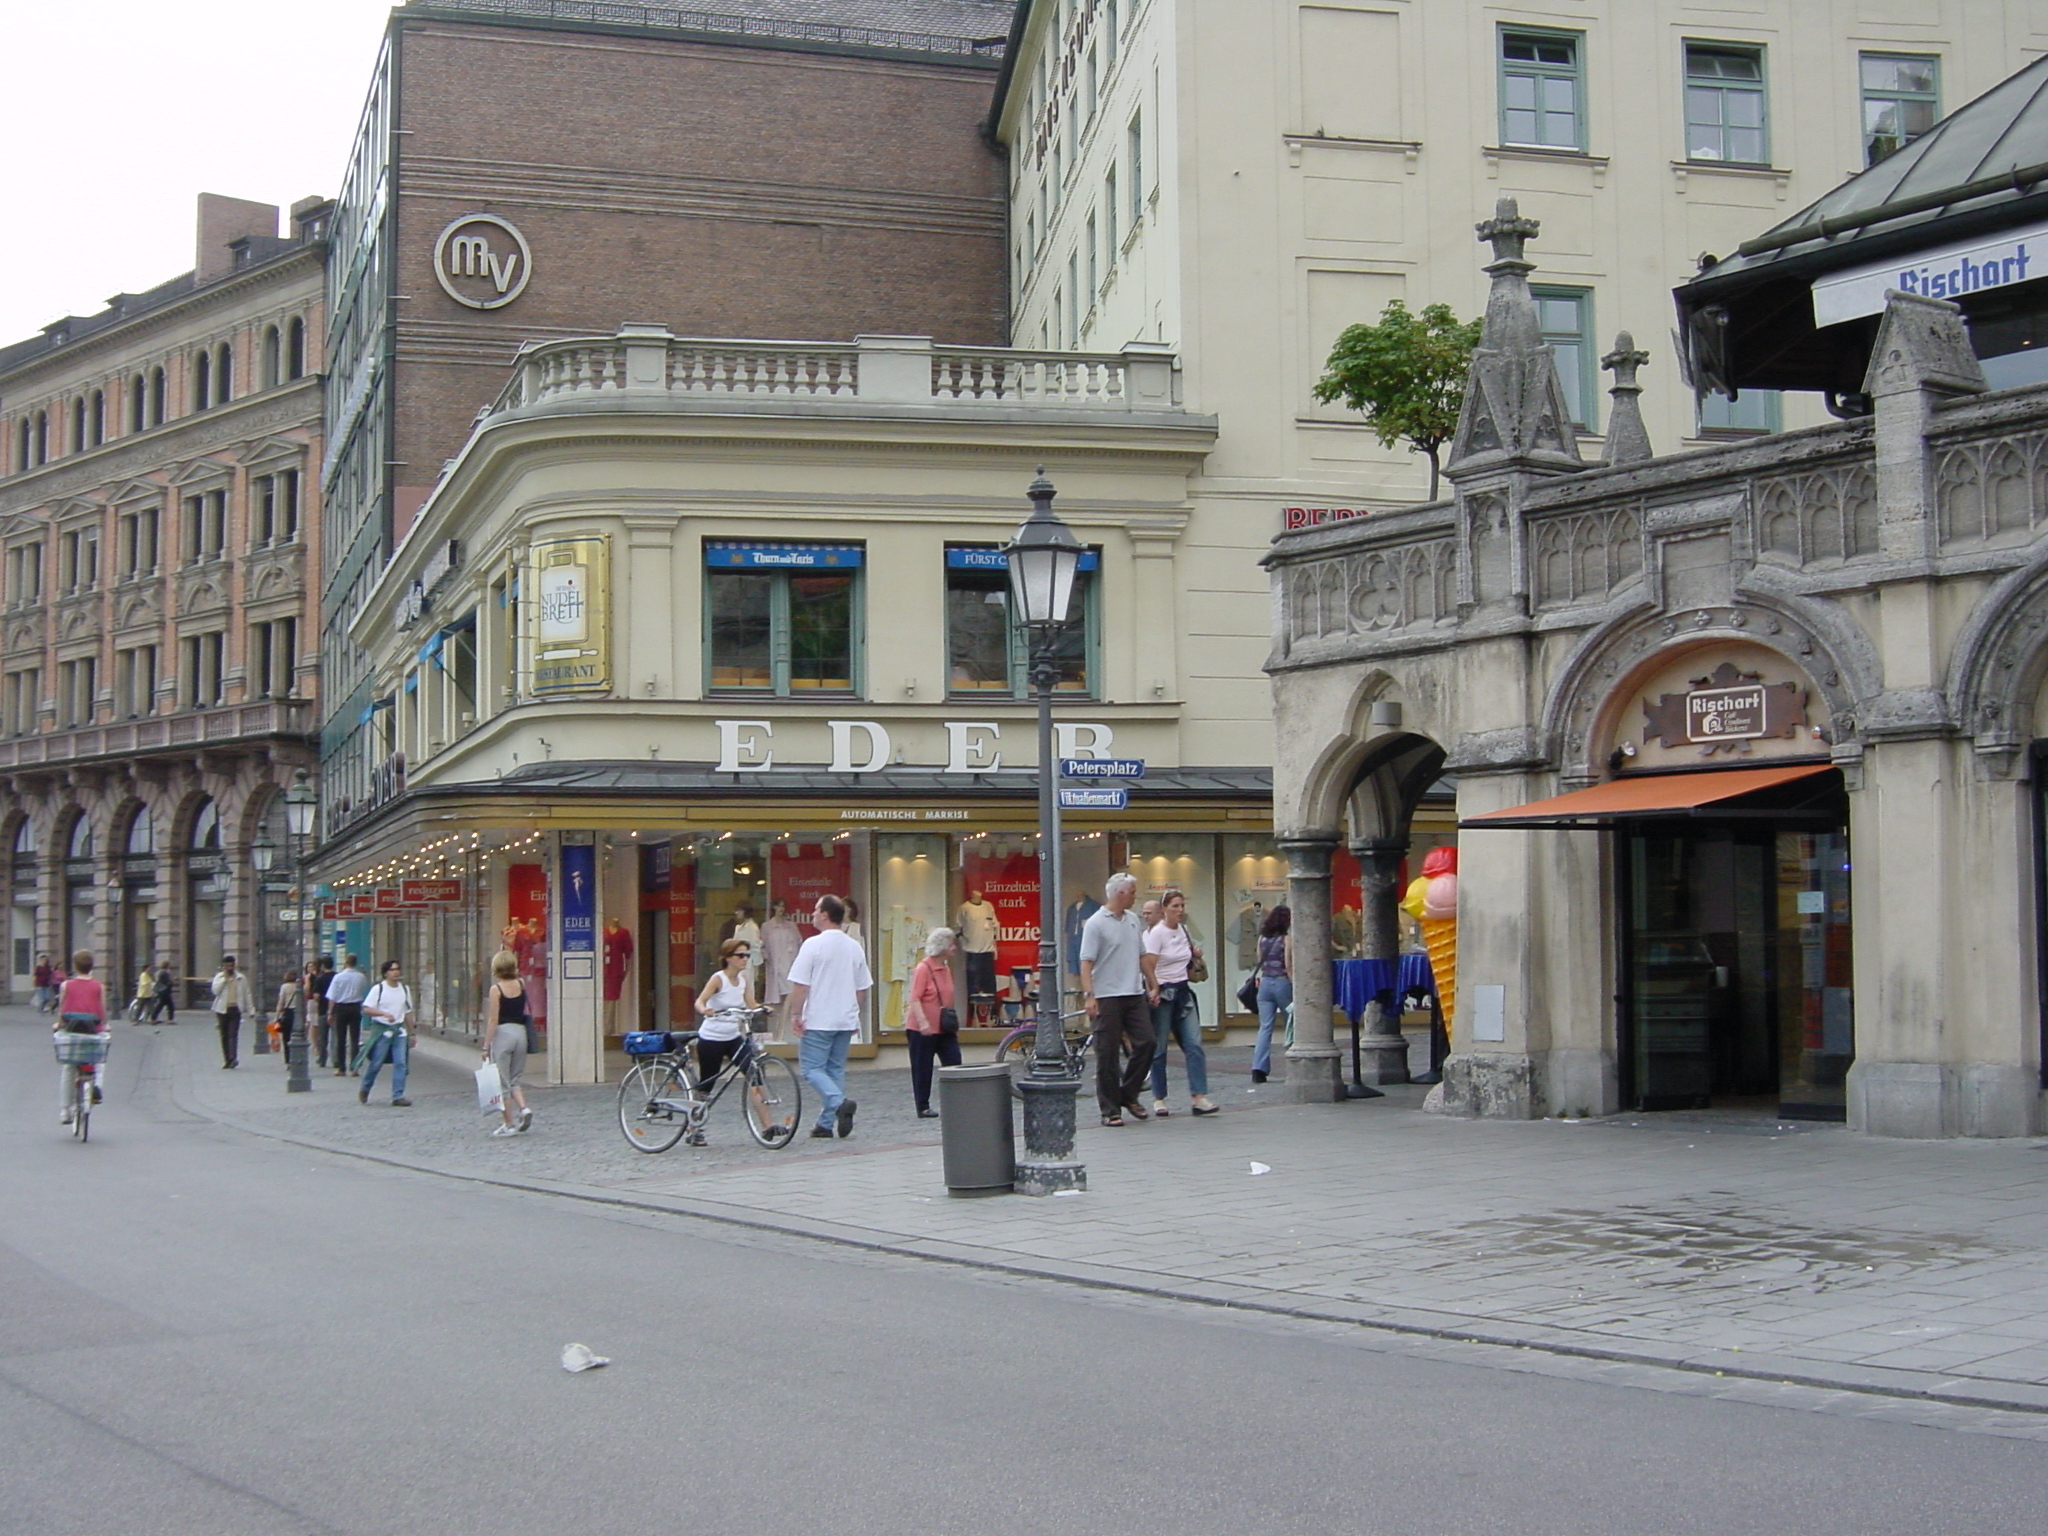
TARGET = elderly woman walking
(925,1019)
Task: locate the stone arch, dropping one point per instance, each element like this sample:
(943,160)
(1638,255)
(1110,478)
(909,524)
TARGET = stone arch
(2000,662)
(1843,668)
(1357,750)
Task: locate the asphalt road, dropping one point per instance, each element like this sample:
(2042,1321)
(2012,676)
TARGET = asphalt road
(210,1332)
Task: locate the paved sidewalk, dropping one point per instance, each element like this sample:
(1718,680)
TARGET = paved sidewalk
(1715,1242)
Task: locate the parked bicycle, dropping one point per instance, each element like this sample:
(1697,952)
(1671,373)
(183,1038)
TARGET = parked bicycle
(1019,1048)
(83,1054)
(660,1100)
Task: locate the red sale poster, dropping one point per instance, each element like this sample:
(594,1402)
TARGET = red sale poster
(526,932)
(799,873)
(1009,883)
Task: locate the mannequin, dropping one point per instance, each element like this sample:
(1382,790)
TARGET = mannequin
(978,927)
(777,946)
(741,925)
(618,960)
(1079,910)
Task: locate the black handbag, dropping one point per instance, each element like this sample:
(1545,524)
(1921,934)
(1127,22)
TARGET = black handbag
(1248,994)
(949,1021)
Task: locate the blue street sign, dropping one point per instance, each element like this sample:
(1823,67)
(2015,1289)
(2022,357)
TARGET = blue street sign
(1102,767)
(1103,799)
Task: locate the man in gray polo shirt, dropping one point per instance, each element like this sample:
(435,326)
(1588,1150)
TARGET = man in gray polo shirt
(1113,983)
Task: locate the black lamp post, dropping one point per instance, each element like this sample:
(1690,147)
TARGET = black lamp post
(1043,559)
(262,858)
(300,804)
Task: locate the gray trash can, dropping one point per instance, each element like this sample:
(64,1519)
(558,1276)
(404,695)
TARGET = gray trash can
(976,1131)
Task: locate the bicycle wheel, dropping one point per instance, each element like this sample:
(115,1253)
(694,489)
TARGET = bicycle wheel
(773,1100)
(1016,1051)
(649,1112)
(81,1112)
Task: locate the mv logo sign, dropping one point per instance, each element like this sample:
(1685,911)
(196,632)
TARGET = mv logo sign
(482,261)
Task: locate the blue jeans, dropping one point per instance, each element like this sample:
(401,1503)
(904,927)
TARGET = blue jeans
(821,1057)
(1275,993)
(391,1048)
(1176,1017)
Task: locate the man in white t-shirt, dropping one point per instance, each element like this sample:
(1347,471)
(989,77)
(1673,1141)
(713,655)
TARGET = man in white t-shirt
(828,990)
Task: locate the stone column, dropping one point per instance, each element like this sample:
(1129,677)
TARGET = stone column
(1384,1050)
(1315,1072)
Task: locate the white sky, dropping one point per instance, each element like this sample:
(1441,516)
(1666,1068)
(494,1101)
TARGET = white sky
(118,113)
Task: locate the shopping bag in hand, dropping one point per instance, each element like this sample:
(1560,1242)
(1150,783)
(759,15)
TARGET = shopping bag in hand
(490,1091)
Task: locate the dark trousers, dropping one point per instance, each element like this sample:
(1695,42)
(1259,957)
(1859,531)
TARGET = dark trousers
(166,1006)
(1122,1024)
(711,1056)
(230,1021)
(924,1050)
(316,1033)
(344,1034)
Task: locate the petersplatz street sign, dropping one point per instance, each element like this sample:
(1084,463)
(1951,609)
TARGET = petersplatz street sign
(1102,768)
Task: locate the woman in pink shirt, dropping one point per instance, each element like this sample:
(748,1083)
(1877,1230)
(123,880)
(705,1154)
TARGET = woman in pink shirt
(81,1010)
(931,992)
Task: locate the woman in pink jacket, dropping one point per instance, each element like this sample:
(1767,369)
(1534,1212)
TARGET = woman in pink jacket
(931,993)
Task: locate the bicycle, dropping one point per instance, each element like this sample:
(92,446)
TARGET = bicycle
(660,1102)
(1019,1048)
(83,1053)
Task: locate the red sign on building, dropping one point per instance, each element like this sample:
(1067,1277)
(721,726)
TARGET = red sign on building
(362,904)
(420,893)
(329,910)
(386,899)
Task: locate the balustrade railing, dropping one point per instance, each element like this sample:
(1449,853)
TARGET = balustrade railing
(191,728)
(646,361)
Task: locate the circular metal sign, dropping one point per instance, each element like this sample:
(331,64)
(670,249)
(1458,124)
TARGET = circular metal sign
(482,262)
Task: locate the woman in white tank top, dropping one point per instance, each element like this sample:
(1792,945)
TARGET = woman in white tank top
(721,1031)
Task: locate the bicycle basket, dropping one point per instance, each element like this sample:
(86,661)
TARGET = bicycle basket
(646,1042)
(81,1050)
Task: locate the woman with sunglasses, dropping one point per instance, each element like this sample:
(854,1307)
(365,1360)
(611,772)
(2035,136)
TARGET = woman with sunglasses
(720,1006)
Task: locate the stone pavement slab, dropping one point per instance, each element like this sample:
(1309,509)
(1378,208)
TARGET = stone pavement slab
(1724,1244)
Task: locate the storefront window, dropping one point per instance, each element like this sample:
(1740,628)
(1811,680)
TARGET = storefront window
(910,901)
(206,889)
(782,619)
(1254,881)
(1186,862)
(984,652)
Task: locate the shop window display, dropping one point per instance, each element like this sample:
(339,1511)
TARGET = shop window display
(1254,881)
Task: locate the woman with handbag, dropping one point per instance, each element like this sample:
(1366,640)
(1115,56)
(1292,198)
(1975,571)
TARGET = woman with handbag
(930,1023)
(1170,960)
(508,1037)
(1276,984)
(289,993)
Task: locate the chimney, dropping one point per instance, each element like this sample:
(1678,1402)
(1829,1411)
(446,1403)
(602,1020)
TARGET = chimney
(223,221)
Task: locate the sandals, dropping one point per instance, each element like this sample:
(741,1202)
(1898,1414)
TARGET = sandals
(1112,1119)
(1137,1111)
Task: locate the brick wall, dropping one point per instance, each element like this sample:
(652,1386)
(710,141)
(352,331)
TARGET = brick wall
(722,191)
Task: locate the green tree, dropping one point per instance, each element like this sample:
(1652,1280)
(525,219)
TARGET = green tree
(1407,374)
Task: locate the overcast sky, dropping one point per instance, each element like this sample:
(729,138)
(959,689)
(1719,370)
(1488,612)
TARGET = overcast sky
(118,113)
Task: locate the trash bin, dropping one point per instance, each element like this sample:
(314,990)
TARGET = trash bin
(975,1130)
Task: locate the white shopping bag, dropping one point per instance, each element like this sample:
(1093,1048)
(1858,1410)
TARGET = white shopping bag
(490,1091)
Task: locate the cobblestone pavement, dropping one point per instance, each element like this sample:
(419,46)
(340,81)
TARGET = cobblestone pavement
(1723,1242)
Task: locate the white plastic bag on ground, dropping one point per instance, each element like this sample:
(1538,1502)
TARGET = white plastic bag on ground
(490,1092)
(1259,1168)
(579,1357)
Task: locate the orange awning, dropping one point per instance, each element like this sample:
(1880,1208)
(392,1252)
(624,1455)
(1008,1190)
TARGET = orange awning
(1650,794)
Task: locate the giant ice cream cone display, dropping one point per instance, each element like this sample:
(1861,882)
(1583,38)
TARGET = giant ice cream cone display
(1439,919)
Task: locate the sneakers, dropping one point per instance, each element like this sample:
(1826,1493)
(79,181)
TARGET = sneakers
(505,1130)
(1202,1106)
(695,1139)
(819,1132)
(362,1095)
(1258,1076)
(401,1103)
(845,1117)
(525,1119)
(64,1115)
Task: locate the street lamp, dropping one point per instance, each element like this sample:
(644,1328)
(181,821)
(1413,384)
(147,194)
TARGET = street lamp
(262,856)
(300,803)
(1043,559)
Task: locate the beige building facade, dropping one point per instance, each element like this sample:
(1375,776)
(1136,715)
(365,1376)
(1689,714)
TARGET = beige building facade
(158,660)
(717,626)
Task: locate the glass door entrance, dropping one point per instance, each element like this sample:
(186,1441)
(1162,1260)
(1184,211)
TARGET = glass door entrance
(1735,967)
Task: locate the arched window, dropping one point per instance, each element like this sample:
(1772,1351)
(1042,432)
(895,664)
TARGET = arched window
(141,833)
(138,404)
(206,829)
(42,437)
(295,349)
(224,375)
(272,357)
(80,845)
(156,397)
(24,841)
(78,424)
(98,423)
(24,433)
(202,381)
